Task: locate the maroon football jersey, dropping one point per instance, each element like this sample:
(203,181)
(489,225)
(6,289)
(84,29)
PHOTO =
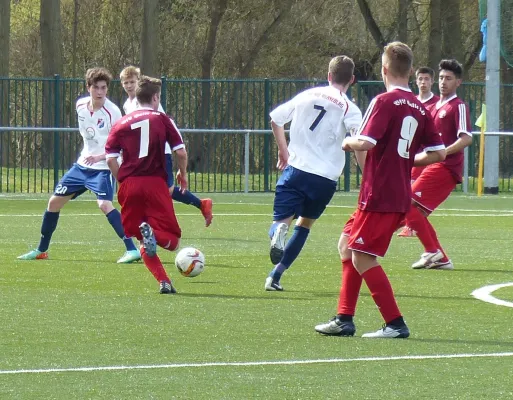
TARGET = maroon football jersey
(141,137)
(451,118)
(430,102)
(399,125)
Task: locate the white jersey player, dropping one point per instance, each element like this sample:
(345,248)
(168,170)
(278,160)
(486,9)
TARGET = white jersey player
(96,116)
(311,163)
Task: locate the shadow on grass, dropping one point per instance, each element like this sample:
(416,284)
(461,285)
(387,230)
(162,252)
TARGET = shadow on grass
(274,297)
(406,296)
(463,341)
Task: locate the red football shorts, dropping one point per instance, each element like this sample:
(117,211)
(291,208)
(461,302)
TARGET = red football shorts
(415,172)
(349,224)
(147,199)
(432,187)
(372,232)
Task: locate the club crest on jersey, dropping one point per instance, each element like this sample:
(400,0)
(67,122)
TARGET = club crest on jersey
(442,114)
(100,123)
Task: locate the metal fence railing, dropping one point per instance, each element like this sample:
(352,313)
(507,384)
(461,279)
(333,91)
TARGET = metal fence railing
(199,107)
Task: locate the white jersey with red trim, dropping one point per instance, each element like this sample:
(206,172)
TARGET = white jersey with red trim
(321,118)
(94,128)
(132,105)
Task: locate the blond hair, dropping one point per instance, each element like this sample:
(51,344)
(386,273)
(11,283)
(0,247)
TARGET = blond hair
(129,71)
(398,58)
(146,88)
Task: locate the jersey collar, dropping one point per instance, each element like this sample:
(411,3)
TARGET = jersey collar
(440,104)
(425,100)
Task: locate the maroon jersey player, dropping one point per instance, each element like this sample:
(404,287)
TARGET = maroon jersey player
(146,212)
(424,77)
(436,182)
(395,127)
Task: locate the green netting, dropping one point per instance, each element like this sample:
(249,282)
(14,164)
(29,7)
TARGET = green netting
(506,29)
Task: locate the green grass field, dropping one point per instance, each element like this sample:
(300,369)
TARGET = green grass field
(69,321)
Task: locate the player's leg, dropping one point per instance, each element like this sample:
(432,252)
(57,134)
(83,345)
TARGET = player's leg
(70,186)
(342,324)
(134,207)
(100,182)
(288,201)
(430,190)
(317,193)
(406,230)
(186,197)
(370,238)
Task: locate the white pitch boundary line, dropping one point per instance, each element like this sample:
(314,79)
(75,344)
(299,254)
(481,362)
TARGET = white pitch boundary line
(255,363)
(99,214)
(485,294)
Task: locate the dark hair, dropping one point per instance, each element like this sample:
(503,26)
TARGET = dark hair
(425,70)
(451,65)
(341,69)
(146,88)
(94,75)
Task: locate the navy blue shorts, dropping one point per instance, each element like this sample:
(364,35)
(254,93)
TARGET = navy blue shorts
(301,194)
(80,179)
(169,170)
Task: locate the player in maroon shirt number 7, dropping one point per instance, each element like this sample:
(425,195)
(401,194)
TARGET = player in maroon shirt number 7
(395,127)
(146,211)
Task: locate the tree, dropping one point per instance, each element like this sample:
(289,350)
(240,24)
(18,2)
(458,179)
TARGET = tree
(435,33)
(149,39)
(5,34)
(451,28)
(402,21)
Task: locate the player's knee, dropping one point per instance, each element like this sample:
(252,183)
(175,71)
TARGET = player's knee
(106,206)
(343,249)
(56,203)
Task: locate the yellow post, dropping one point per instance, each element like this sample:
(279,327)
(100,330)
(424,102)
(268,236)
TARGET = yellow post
(481,122)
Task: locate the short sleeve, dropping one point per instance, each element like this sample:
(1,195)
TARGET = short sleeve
(173,136)
(116,114)
(283,113)
(353,117)
(113,145)
(431,140)
(462,119)
(375,121)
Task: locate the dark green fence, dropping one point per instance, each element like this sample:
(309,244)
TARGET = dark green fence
(32,161)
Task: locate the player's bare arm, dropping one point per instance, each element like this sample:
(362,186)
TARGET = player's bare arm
(429,157)
(281,141)
(112,162)
(464,140)
(356,144)
(90,160)
(360,158)
(181,162)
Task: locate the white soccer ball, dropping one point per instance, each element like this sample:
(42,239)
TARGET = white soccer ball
(190,262)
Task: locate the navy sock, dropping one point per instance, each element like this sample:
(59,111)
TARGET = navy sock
(186,198)
(48,226)
(291,251)
(114,218)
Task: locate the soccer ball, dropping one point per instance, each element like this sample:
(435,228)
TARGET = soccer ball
(190,262)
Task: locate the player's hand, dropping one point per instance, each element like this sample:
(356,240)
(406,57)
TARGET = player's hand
(90,160)
(182,181)
(283,159)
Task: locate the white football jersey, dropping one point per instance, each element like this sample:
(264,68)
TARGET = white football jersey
(321,118)
(94,128)
(132,105)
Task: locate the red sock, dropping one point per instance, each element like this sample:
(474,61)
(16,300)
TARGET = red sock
(382,293)
(166,241)
(435,240)
(419,223)
(350,289)
(155,266)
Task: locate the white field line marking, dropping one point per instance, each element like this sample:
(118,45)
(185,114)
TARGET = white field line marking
(485,294)
(99,214)
(255,363)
